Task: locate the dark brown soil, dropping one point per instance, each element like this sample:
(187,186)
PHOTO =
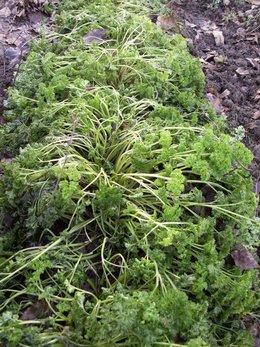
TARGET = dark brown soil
(232,69)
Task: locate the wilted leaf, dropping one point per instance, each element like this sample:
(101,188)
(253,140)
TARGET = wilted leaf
(225,94)
(5,12)
(219,59)
(219,37)
(257,97)
(166,22)
(12,53)
(208,26)
(97,35)
(252,37)
(242,71)
(36,18)
(215,102)
(189,24)
(254,2)
(243,258)
(210,56)
(253,125)
(256,115)
(253,62)
(39,309)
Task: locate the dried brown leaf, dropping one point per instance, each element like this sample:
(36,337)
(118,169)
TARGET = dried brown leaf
(254,2)
(166,22)
(189,24)
(215,102)
(40,309)
(5,12)
(242,71)
(252,37)
(97,35)
(225,94)
(253,61)
(208,26)
(219,37)
(256,115)
(219,59)
(253,125)
(243,258)
(257,97)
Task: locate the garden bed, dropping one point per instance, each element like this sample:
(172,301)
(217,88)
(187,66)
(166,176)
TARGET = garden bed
(127,202)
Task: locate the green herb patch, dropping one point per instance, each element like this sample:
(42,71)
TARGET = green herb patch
(126,196)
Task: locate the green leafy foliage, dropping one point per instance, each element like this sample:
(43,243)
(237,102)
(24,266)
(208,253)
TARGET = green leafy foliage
(126,195)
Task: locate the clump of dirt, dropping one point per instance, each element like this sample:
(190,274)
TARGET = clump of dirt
(224,34)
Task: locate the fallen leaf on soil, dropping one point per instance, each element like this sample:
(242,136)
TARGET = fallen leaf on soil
(257,50)
(207,64)
(166,22)
(219,37)
(36,18)
(254,62)
(98,35)
(241,32)
(208,26)
(242,71)
(210,56)
(12,53)
(5,12)
(7,160)
(16,12)
(212,90)
(219,59)
(254,125)
(256,115)
(198,34)
(225,94)
(243,258)
(252,37)
(39,309)
(213,56)
(188,24)
(254,2)
(215,102)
